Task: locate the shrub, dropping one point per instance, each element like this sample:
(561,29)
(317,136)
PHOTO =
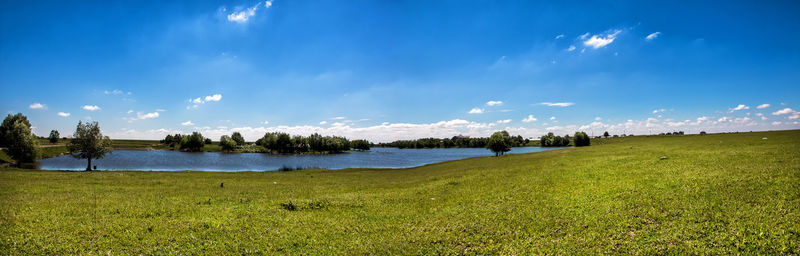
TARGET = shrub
(551,140)
(581,139)
(21,143)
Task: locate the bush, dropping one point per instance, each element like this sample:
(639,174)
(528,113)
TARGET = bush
(551,140)
(581,139)
(21,143)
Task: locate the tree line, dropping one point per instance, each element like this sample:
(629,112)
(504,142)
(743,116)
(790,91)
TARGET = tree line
(454,142)
(272,142)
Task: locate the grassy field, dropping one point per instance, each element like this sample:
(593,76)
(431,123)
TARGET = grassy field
(713,194)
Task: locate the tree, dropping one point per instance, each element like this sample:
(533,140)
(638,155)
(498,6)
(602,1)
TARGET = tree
(227,143)
(237,137)
(499,143)
(21,143)
(360,144)
(89,143)
(8,124)
(53,136)
(192,142)
(605,134)
(581,139)
(207,141)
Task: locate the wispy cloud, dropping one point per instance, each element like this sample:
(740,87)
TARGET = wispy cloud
(598,41)
(338,118)
(571,48)
(147,115)
(323,123)
(187,123)
(529,119)
(560,36)
(475,111)
(244,15)
(37,106)
(91,107)
(62,114)
(652,36)
(557,104)
(658,110)
(203,100)
(504,121)
(492,103)
(765,105)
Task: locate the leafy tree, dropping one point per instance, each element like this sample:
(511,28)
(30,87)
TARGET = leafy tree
(227,143)
(551,140)
(581,139)
(360,144)
(499,143)
(193,143)
(237,137)
(53,136)
(605,134)
(8,124)
(21,143)
(284,143)
(89,143)
(208,141)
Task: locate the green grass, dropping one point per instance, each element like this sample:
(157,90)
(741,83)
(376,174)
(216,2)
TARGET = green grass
(714,194)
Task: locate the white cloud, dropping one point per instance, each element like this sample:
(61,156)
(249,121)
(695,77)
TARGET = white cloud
(130,111)
(203,100)
(560,36)
(504,121)
(552,118)
(266,122)
(783,112)
(91,107)
(658,110)
(776,123)
(739,107)
(765,105)
(323,123)
(494,103)
(557,104)
(598,118)
(268,3)
(187,123)
(338,118)
(244,15)
(571,48)
(475,111)
(652,36)
(598,41)
(141,116)
(794,115)
(584,36)
(63,114)
(529,119)
(37,106)
(160,110)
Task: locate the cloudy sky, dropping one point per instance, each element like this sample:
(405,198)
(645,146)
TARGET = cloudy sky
(386,70)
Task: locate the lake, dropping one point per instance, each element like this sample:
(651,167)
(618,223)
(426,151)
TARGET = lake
(164,160)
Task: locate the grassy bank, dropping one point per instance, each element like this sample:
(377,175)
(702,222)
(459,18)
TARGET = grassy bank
(714,194)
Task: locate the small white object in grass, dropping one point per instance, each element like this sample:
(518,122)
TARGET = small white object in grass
(433,198)
(764,138)
(663,158)
(274,182)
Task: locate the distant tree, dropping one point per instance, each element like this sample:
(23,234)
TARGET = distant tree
(207,141)
(53,136)
(581,139)
(551,140)
(360,144)
(284,143)
(499,143)
(703,133)
(237,137)
(227,143)
(605,134)
(8,124)
(21,143)
(192,142)
(89,143)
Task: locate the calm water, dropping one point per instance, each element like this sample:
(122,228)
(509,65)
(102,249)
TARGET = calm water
(160,160)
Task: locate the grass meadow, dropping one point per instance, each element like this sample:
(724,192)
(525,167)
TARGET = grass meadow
(713,194)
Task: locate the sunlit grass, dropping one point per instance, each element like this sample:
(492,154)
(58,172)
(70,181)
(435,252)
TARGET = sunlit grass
(713,194)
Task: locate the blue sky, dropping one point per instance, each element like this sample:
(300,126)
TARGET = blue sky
(386,70)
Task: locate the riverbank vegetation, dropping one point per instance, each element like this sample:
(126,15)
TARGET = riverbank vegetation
(712,194)
(454,142)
